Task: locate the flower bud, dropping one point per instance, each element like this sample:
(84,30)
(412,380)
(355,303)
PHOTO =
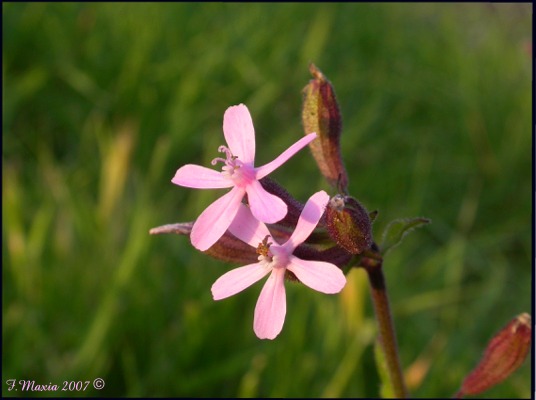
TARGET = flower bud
(282,230)
(348,223)
(228,248)
(320,114)
(231,249)
(504,354)
(294,207)
(334,255)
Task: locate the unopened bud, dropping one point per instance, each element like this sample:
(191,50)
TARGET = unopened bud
(294,207)
(231,249)
(349,224)
(228,248)
(334,255)
(321,114)
(504,354)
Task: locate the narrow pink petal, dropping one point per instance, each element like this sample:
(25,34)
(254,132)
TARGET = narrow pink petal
(271,307)
(238,279)
(309,217)
(214,221)
(265,206)
(283,157)
(318,275)
(196,176)
(247,228)
(239,133)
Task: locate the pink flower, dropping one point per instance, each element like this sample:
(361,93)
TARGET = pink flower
(276,259)
(238,173)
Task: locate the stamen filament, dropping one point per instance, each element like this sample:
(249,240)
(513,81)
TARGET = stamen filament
(217,160)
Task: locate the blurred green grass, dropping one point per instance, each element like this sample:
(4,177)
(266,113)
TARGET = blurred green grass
(103,102)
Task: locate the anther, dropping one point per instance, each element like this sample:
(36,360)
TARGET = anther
(264,247)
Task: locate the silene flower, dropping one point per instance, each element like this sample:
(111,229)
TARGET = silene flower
(240,174)
(275,259)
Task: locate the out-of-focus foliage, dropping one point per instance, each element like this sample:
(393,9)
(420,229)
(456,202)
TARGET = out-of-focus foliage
(103,102)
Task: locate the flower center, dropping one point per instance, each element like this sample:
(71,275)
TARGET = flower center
(263,250)
(274,257)
(233,168)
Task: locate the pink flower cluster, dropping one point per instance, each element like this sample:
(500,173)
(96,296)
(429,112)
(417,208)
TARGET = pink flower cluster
(247,223)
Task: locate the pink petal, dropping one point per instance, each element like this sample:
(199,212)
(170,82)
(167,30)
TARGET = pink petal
(318,275)
(238,279)
(265,206)
(196,176)
(214,221)
(239,133)
(271,307)
(283,157)
(247,228)
(309,217)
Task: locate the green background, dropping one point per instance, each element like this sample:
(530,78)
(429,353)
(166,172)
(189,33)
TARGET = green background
(102,103)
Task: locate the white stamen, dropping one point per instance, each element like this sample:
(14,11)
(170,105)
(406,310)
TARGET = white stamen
(233,168)
(217,160)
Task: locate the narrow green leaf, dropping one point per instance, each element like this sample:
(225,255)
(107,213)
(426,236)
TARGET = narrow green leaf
(398,229)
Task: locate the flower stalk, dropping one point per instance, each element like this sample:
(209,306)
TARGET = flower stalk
(387,335)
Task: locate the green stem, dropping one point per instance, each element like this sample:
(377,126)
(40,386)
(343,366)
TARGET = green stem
(387,336)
